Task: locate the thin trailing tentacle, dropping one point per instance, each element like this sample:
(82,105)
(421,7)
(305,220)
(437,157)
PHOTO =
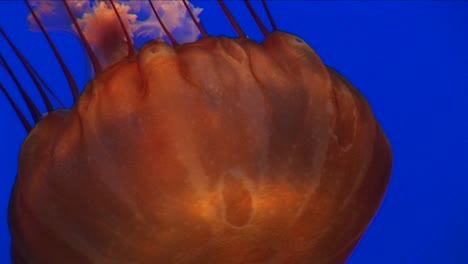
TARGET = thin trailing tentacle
(27,126)
(270,17)
(36,114)
(256,18)
(38,77)
(232,20)
(169,35)
(94,60)
(45,85)
(131,48)
(44,97)
(71,81)
(197,23)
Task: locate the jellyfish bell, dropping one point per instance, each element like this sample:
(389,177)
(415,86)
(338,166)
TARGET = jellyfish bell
(221,150)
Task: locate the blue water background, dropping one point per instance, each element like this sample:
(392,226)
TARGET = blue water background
(409,58)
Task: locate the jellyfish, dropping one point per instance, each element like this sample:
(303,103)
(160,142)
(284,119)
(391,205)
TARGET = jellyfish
(216,150)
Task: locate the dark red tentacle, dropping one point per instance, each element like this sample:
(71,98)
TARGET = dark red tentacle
(71,81)
(94,60)
(169,35)
(23,60)
(256,18)
(270,17)
(232,20)
(36,114)
(194,19)
(27,126)
(131,48)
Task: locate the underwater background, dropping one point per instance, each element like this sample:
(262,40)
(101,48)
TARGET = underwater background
(409,58)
